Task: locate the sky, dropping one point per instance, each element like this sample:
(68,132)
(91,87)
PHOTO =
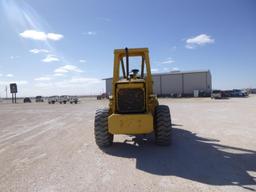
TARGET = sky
(66,47)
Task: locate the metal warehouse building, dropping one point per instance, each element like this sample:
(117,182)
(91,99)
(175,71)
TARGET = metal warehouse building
(178,82)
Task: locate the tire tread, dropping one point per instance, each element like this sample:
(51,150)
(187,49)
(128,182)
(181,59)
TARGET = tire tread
(102,137)
(163,125)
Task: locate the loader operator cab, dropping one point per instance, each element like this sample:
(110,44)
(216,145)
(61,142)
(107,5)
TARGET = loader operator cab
(135,62)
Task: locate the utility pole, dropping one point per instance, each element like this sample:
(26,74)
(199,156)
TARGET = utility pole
(6,91)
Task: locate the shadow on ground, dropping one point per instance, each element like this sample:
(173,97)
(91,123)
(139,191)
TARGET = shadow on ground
(190,157)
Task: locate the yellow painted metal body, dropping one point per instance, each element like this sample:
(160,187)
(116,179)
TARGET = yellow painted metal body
(130,123)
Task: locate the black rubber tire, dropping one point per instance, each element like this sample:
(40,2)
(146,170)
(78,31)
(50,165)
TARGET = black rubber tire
(102,137)
(163,125)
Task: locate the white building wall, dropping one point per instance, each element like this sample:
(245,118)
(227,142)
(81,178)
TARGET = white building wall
(209,82)
(156,84)
(179,83)
(194,81)
(171,83)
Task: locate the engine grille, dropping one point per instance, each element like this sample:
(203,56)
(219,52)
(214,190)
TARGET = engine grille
(131,101)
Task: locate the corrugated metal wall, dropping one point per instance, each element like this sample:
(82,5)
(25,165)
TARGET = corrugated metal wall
(209,81)
(171,84)
(194,81)
(156,84)
(177,83)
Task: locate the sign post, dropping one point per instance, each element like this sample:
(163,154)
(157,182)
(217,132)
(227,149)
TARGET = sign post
(13,90)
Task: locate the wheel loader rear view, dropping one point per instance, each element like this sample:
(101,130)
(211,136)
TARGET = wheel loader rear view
(133,109)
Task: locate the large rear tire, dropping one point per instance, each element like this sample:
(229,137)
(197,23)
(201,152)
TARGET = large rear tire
(102,136)
(163,125)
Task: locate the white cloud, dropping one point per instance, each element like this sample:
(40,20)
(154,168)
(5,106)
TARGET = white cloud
(44,84)
(168,61)
(68,68)
(70,83)
(199,40)
(82,61)
(91,33)
(40,35)
(188,46)
(21,82)
(14,57)
(154,70)
(54,36)
(175,69)
(84,80)
(9,75)
(71,86)
(4,82)
(60,70)
(42,79)
(50,58)
(35,35)
(1,74)
(58,74)
(38,51)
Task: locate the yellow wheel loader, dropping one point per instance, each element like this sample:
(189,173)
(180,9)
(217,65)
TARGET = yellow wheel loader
(133,109)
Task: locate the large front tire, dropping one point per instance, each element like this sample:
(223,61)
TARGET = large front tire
(163,125)
(102,136)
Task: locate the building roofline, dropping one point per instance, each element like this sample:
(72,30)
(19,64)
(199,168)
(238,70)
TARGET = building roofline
(182,72)
(173,73)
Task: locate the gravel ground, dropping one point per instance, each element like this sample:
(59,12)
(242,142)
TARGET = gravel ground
(50,148)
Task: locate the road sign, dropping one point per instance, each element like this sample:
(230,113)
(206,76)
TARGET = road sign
(13,88)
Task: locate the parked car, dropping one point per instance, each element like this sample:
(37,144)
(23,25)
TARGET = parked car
(216,94)
(245,93)
(102,96)
(64,99)
(204,94)
(39,99)
(27,100)
(227,93)
(53,99)
(239,93)
(73,99)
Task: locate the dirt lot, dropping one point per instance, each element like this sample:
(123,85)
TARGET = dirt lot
(49,148)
